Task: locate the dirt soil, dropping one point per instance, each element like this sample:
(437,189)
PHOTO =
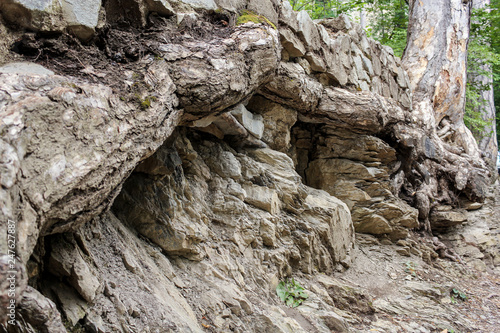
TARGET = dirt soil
(409,294)
(116,48)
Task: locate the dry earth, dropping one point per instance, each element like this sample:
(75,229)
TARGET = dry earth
(389,288)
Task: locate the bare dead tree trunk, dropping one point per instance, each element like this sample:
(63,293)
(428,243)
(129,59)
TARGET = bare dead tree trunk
(435,58)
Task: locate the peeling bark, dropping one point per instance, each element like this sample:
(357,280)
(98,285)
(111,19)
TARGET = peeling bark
(435,58)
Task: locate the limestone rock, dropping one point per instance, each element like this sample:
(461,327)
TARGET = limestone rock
(292,43)
(268,233)
(79,17)
(201,4)
(307,31)
(233,158)
(340,23)
(40,312)
(25,68)
(253,123)
(443,217)
(67,261)
(279,121)
(73,306)
(263,198)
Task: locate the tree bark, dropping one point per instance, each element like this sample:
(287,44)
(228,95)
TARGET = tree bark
(436,61)
(435,58)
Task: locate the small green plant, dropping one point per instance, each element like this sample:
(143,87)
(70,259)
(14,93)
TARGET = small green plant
(457,294)
(146,102)
(411,268)
(291,293)
(249,16)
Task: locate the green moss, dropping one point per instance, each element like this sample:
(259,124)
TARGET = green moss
(249,16)
(146,102)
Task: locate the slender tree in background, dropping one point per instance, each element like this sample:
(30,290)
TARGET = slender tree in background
(480,107)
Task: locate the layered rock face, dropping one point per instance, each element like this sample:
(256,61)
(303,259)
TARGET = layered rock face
(167,175)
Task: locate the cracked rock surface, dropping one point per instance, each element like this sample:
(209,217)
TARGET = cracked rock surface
(166,168)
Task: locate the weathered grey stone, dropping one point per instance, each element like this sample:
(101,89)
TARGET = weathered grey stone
(208,224)
(363,85)
(39,15)
(325,37)
(266,8)
(40,312)
(229,125)
(163,7)
(367,65)
(81,17)
(307,31)
(376,86)
(289,16)
(67,261)
(73,307)
(443,217)
(279,121)
(360,71)
(340,23)
(316,62)
(201,4)
(401,78)
(292,43)
(335,68)
(252,122)
(263,198)
(268,233)
(25,68)
(377,66)
(305,65)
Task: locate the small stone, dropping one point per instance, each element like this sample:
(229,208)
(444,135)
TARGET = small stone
(24,68)
(252,122)
(404,251)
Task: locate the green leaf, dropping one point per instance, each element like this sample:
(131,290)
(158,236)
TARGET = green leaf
(281,291)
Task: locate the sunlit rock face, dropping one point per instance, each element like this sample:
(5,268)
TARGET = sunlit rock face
(166,167)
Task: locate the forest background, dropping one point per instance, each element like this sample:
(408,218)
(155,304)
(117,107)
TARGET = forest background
(387,22)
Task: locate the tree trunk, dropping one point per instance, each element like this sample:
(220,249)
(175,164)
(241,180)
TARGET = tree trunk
(435,58)
(487,140)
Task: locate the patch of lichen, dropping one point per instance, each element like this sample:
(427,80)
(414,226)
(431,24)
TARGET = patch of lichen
(249,16)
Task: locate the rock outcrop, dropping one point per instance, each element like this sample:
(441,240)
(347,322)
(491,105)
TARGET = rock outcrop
(165,167)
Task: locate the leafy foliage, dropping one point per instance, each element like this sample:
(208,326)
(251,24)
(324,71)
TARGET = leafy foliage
(458,294)
(319,9)
(291,293)
(390,23)
(483,59)
(388,18)
(411,268)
